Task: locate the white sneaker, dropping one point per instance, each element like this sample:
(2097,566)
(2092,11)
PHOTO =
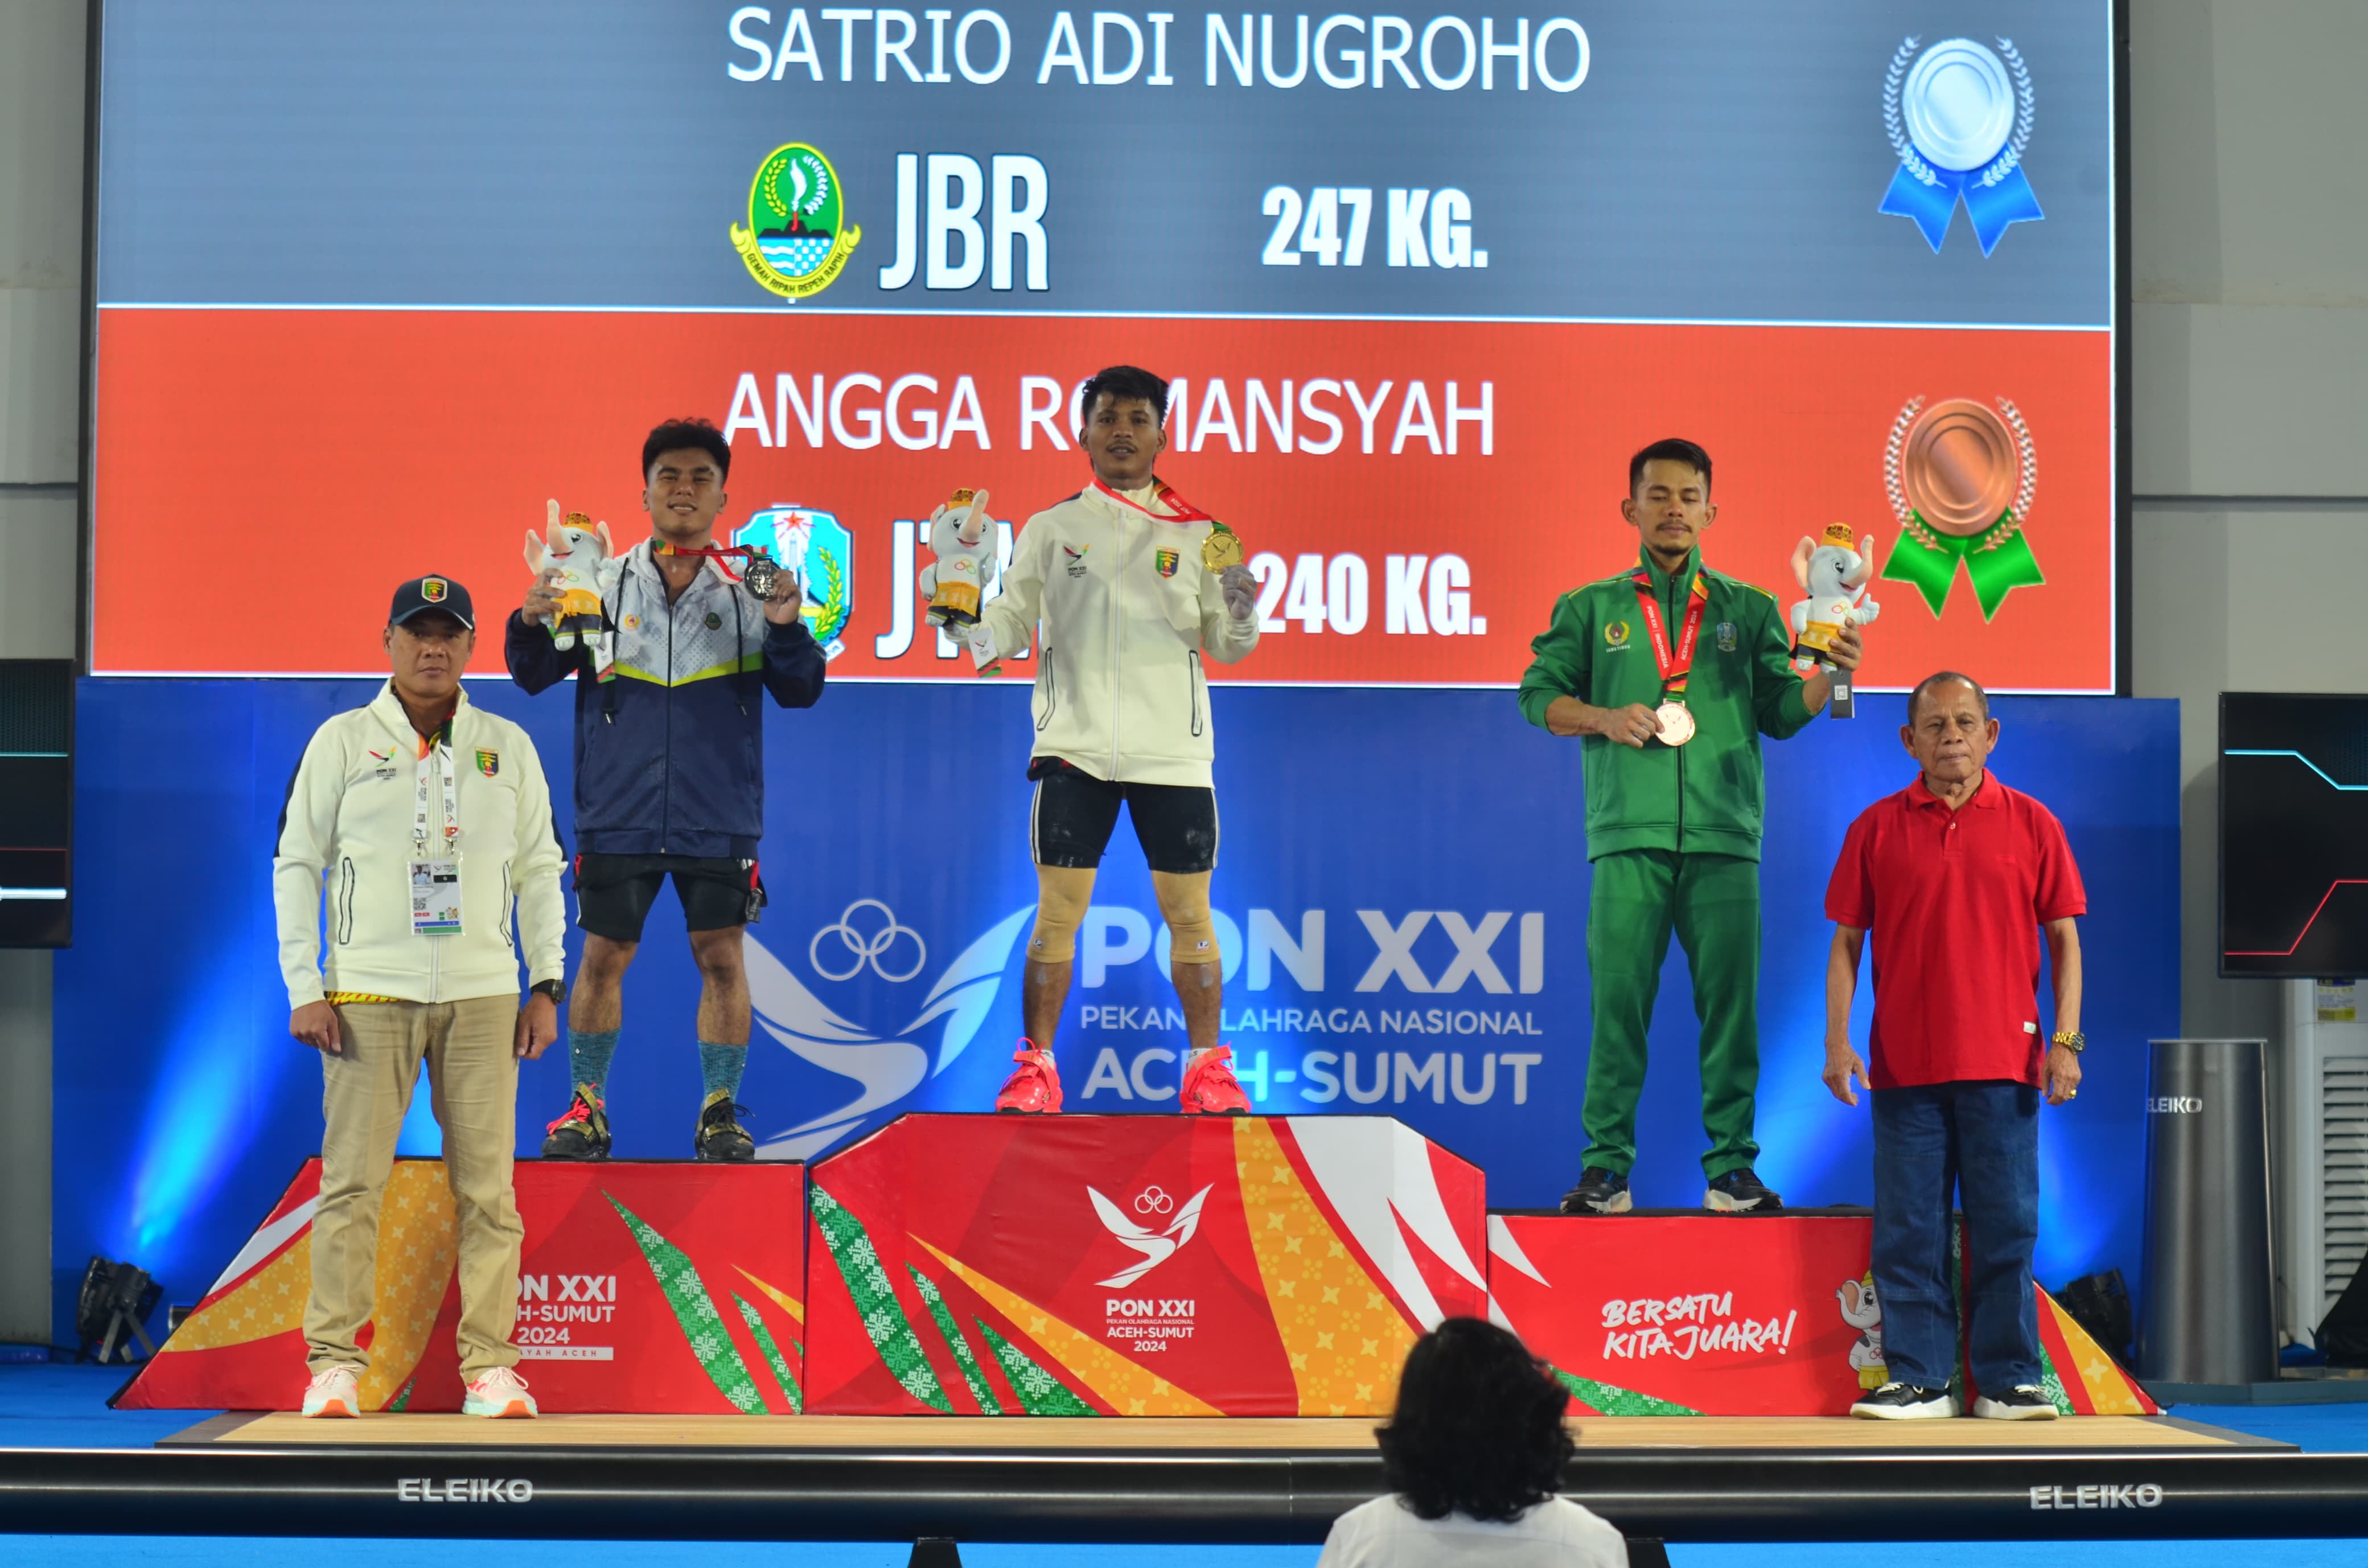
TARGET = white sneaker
(1906,1402)
(500,1393)
(2024,1401)
(331,1393)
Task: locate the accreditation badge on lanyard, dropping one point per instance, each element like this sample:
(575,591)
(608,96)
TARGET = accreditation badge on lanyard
(1676,663)
(436,847)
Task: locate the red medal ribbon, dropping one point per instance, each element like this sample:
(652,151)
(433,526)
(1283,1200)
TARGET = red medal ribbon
(720,555)
(1674,665)
(1185,511)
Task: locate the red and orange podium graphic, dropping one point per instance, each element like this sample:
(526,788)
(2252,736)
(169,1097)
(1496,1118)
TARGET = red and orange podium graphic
(1079,1265)
(1715,1315)
(1134,1266)
(645,1287)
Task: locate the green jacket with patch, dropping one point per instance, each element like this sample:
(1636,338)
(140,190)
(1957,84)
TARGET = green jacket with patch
(1708,796)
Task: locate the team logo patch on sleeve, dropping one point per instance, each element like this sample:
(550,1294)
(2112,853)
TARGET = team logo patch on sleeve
(1166,561)
(489,763)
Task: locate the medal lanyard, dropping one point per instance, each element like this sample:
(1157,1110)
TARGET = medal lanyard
(1185,511)
(719,556)
(439,753)
(1675,664)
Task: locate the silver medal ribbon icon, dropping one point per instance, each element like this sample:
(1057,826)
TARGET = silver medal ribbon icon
(869,942)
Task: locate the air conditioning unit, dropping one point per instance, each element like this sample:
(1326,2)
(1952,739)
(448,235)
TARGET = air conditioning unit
(2319,1152)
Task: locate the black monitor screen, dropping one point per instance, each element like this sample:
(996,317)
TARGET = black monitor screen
(2293,835)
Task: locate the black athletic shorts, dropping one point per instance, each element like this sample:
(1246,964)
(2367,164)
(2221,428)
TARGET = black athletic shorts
(1074,814)
(613,892)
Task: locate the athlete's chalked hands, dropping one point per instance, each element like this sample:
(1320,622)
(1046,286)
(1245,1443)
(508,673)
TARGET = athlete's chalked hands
(1240,586)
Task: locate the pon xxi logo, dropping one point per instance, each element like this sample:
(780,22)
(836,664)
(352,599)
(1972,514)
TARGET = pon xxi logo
(1959,116)
(797,240)
(1156,1204)
(867,942)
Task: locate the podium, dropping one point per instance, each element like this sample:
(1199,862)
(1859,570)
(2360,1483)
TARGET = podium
(1134,1266)
(1689,1313)
(657,1287)
(1010,1265)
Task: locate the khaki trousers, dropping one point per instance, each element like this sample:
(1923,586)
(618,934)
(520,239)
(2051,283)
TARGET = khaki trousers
(365,1091)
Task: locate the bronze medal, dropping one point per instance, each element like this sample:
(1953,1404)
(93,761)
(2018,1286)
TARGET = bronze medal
(1960,466)
(1677,723)
(1222,549)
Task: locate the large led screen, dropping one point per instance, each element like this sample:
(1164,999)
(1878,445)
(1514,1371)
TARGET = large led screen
(374,282)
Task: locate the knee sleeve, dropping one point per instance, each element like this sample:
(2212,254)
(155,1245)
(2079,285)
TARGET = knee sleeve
(1062,895)
(1184,904)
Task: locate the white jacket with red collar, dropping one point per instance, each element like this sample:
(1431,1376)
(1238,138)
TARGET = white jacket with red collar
(1129,611)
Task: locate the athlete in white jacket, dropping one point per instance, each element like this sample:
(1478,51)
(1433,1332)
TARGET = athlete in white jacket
(430,822)
(1130,610)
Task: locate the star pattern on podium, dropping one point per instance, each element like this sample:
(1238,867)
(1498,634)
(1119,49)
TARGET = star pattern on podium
(1323,1301)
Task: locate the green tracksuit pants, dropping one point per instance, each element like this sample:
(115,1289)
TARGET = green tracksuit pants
(1712,902)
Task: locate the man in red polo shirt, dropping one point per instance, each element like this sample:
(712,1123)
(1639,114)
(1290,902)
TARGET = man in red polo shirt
(1955,877)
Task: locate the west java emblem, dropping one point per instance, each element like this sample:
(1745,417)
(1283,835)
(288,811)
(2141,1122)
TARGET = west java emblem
(1959,117)
(796,243)
(1962,476)
(817,551)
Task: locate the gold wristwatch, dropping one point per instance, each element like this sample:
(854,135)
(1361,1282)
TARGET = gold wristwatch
(2072,1040)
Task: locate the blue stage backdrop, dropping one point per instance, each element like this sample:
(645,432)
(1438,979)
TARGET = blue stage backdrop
(1403,894)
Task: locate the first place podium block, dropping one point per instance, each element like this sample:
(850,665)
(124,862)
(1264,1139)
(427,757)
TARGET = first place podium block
(652,1287)
(1134,1265)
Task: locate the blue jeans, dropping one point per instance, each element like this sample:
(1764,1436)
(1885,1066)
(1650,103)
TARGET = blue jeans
(1982,1137)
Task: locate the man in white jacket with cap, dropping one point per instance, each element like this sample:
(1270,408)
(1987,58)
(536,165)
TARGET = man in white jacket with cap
(430,822)
(1130,606)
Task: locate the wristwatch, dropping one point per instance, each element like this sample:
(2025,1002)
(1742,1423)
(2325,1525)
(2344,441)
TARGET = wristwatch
(555,989)
(2072,1040)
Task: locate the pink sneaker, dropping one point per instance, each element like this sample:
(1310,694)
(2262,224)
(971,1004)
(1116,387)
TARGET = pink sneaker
(499,1393)
(331,1393)
(1034,1086)
(1210,1087)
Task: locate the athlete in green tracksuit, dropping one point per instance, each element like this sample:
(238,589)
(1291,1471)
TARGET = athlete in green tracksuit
(1673,830)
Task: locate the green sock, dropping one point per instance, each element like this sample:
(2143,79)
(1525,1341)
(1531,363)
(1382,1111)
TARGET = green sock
(720,1067)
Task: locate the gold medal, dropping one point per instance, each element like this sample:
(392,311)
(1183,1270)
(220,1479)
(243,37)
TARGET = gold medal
(1222,549)
(1677,723)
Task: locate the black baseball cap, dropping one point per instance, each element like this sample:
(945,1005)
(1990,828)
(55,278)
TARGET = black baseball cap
(432,593)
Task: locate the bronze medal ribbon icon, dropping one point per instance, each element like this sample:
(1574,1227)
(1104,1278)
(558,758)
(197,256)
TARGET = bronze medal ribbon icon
(1961,479)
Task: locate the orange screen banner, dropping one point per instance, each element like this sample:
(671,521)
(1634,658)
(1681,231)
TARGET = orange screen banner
(1414,495)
